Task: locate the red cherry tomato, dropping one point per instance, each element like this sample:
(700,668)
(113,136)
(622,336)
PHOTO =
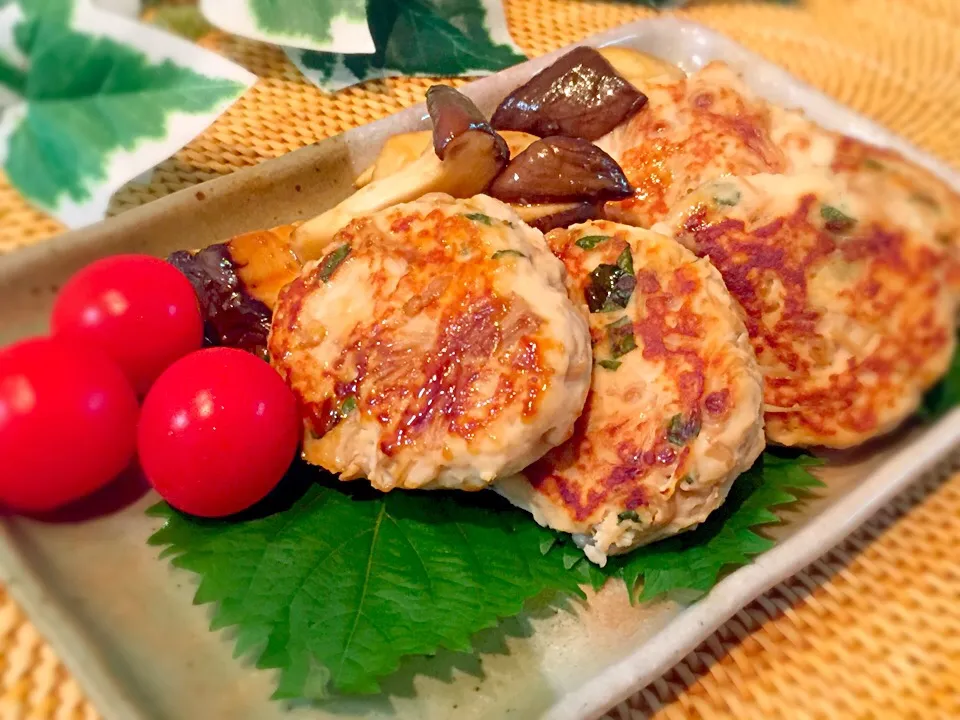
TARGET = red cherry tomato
(139,309)
(218,430)
(68,420)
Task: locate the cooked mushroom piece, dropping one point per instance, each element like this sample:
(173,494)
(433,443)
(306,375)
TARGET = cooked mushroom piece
(400,150)
(467,155)
(237,283)
(556,169)
(454,117)
(580,95)
(550,216)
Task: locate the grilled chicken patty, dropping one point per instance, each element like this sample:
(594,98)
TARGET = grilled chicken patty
(693,129)
(848,308)
(433,346)
(912,194)
(674,412)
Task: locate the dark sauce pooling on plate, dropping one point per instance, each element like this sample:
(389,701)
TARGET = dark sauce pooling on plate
(231,317)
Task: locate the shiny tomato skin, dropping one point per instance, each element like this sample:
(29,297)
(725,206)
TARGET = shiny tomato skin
(68,420)
(139,309)
(218,430)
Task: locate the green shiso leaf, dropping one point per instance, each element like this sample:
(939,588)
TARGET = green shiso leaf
(343,586)
(479,217)
(506,253)
(620,334)
(695,560)
(682,429)
(945,395)
(589,242)
(348,405)
(610,286)
(333,260)
(835,219)
(338,588)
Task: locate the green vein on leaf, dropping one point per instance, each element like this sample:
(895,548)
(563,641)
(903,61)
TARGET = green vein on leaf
(358,612)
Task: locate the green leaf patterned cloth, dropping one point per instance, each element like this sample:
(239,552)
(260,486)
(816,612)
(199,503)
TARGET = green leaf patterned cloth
(93,100)
(331,25)
(417,38)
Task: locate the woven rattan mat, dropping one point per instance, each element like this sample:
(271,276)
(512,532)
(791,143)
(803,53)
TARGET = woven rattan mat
(872,630)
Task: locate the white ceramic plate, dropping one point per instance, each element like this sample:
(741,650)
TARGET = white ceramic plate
(123,620)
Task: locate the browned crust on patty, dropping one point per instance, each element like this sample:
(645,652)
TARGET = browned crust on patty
(693,130)
(895,289)
(416,391)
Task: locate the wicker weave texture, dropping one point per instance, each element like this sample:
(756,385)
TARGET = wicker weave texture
(33,682)
(872,630)
(894,60)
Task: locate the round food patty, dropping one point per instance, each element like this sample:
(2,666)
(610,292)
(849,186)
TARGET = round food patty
(913,195)
(849,311)
(433,346)
(692,130)
(674,412)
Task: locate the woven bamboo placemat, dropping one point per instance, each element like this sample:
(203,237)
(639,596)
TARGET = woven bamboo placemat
(871,630)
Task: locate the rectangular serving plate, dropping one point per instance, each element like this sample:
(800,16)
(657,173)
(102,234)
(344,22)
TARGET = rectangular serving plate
(123,621)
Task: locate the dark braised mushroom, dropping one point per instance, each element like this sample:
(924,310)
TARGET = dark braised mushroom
(231,316)
(555,169)
(400,150)
(550,216)
(580,95)
(455,118)
(467,155)
(237,283)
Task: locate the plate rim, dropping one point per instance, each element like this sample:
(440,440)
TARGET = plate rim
(113,699)
(822,532)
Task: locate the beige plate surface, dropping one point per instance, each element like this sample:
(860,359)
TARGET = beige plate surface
(123,621)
